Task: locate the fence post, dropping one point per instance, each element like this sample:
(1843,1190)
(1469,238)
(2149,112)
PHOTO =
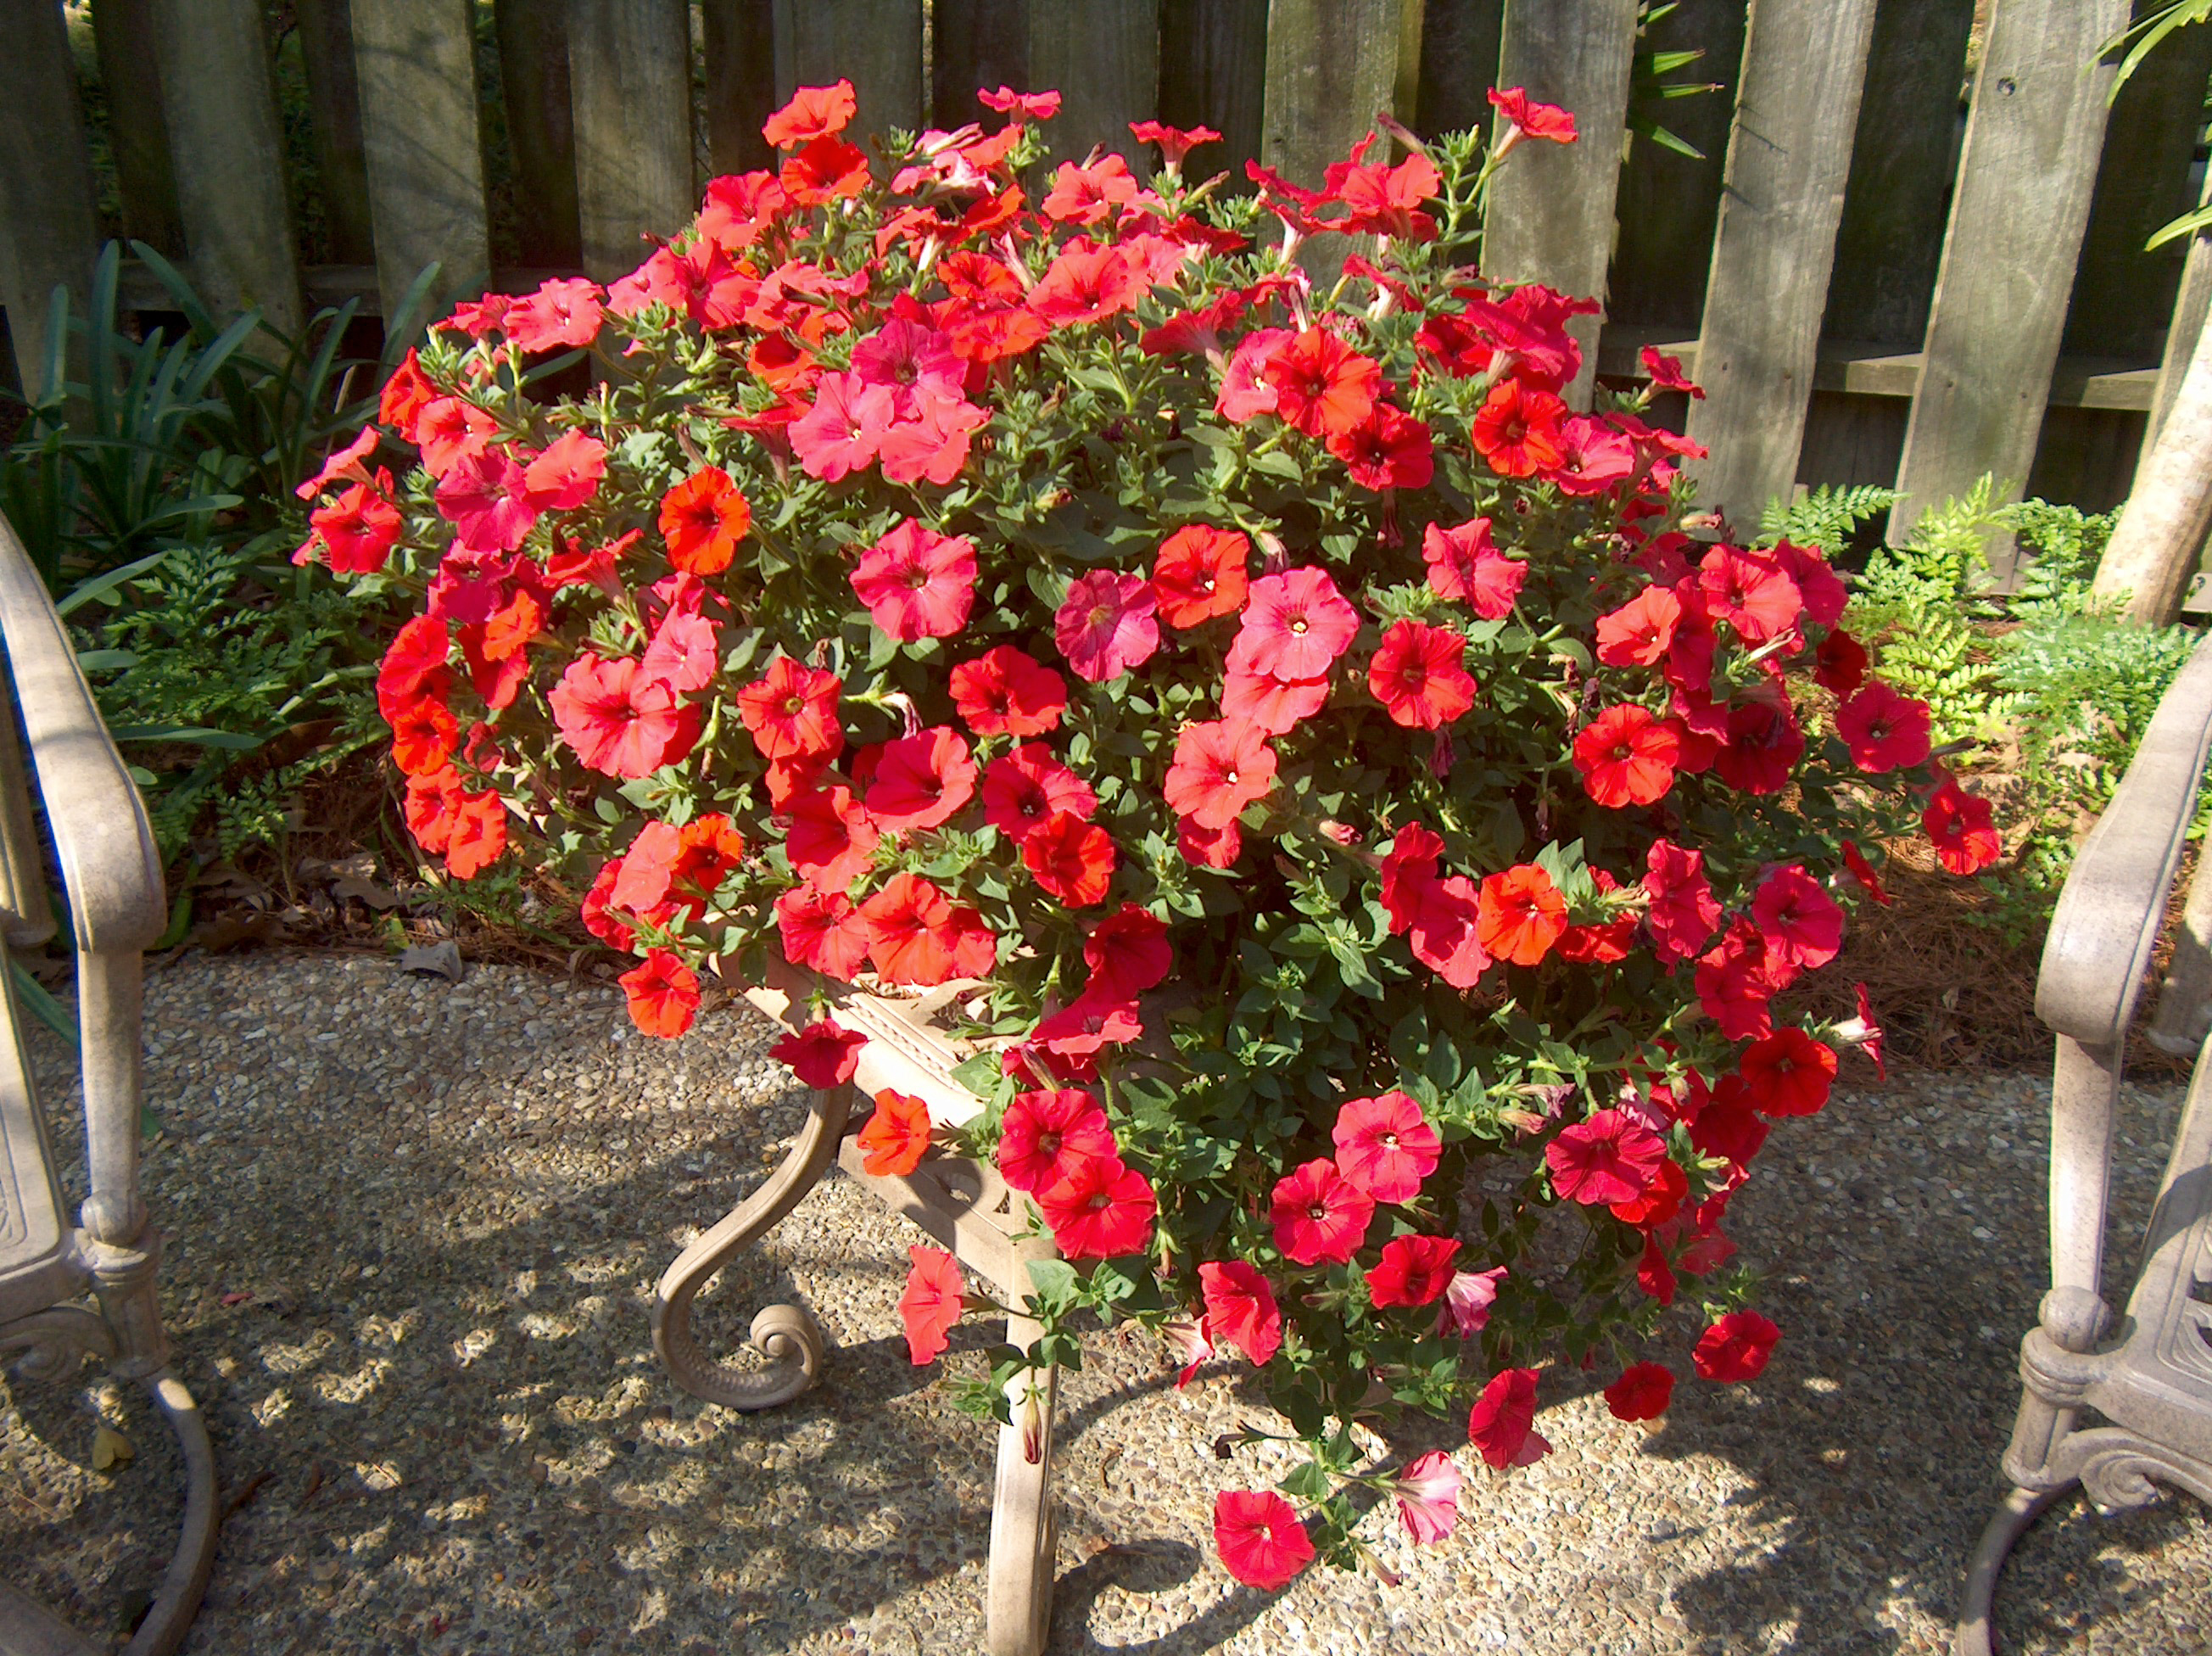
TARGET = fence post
(630,84)
(2026,176)
(1331,65)
(1104,57)
(533,79)
(740,42)
(1550,205)
(45,180)
(415,65)
(874,43)
(1789,152)
(334,91)
(228,156)
(2191,307)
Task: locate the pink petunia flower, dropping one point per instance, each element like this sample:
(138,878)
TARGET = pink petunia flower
(1300,622)
(1611,1157)
(917,583)
(1320,1215)
(1105,626)
(1428,1496)
(842,432)
(1502,1423)
(1385,1146)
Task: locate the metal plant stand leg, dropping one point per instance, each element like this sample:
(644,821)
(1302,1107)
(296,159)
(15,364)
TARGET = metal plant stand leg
(785,1335)
(2011,1521)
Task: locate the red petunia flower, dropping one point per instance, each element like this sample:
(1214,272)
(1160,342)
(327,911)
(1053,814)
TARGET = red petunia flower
(620,722)
(1521,915)
(1642,1392)
(829,838)
(1218,769)
(1319,1215)
(1666,373)
(1021,107)
(1445,934)
(1201,572)
(1611,1157)
(1208,848)
(896,1134)
(1750,591)
(1960,824)
(1128,953)
(1840,663)
(1530,119)
(1044,1138)
(1385,1146)
(702,519)
(1788,1073)
(933,1301)
(1088,284)
(1658,1202)
(1299,624)
(1764,743)
(1885,731)
(424,735)
(1638,633)
(1736,1348)
(1087,194)
(1863,1033)
(1084,1027)
(791,710)
(415,665)
(1735,983)
(1388,449)
(1466,566)
(921,781)
(1240,1304)
(1260,1539)
(814,111)
(1102,1210)
(1023,788)
(917,583)
(1628,756)
(477,831)
(1007,692)
(822,1055)
(359,529)
(1517,430)
(405,396)
(826,170)
(1799,923)
(823,932)
(1418,675)
(1104,627)
(843,430)
(1071,859)
(1684,910)
(1321,386)
(1863,871)
(664,994)
(918,936)
(1502,1423)
(1414,1270)
(1653,1275)
(1175,143)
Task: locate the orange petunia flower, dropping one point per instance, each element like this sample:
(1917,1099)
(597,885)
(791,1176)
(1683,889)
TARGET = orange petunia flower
(702,519)
(1520,914)
(896,1135)
(1322,385)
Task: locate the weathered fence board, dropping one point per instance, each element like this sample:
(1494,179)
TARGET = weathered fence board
(1668,203)
(327,54)
(975,44)
(46,181)
(629,88)
(739,41)
(541,134)
(1105,57)
(1788,158)
(1459,63)
(2025,175)
(131,77)
(1213,72)
(874,43)
(1551,211)
(414,64)
(1332,64)
(227,153)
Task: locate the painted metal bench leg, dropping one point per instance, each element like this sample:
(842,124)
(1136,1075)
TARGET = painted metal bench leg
(1024,1535)
(2011,1521)
(785,1335)
(186,1580)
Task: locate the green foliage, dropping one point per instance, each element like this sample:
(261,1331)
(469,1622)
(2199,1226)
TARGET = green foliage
(155,496)
(1827,517)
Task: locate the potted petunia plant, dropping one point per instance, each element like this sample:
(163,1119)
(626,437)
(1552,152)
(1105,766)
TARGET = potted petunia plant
(1368,821)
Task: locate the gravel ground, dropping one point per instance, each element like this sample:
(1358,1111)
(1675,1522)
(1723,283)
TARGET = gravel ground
(413,1231)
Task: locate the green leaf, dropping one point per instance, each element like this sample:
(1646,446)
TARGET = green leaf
(1310,1481)
(1053,1279)
(42,1006)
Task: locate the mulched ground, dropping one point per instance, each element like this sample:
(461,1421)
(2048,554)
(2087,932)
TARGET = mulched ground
(414,1227)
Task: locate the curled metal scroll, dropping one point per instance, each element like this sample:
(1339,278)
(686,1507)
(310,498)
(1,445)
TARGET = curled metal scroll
(56,1342)
(785,1334)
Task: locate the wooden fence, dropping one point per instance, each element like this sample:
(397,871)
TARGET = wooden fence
(1911,253)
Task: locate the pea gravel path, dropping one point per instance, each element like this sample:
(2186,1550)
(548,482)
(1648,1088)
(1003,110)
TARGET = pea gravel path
(413,1230)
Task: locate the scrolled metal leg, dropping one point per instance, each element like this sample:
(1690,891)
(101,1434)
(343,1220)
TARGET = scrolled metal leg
(785,1334)
(185,1581)
(1025,1537)
(2020,1509)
